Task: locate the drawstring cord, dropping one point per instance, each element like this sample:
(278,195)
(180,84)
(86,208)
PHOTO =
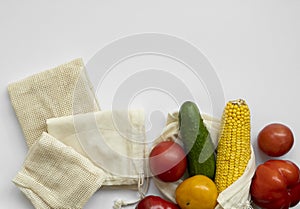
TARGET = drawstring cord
(142,190)
(142,187)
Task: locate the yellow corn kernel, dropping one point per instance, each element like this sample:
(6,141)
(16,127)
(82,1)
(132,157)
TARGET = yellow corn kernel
(234,149)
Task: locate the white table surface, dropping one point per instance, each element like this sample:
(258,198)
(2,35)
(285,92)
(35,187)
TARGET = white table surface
(254,47)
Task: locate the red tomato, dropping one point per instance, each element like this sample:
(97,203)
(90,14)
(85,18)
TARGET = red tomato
(168,161)
(155,202)
(276,185)
(275,139)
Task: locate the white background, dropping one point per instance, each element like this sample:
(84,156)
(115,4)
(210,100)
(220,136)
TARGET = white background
(254,47)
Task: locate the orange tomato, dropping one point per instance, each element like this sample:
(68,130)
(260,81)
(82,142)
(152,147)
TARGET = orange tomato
(197,192)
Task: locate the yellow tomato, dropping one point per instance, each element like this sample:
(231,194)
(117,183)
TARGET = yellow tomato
(197,192)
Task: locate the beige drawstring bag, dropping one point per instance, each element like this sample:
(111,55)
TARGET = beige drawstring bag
(114,140)
(56,176)
(235,196)
(50,94)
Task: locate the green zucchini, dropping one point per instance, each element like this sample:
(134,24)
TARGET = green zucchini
(197,141)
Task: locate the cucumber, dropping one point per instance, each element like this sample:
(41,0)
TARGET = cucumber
(196,140)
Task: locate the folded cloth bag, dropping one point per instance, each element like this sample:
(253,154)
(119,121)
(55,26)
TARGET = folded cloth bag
(61,91)
(114,140)
(56,176)
(236,196)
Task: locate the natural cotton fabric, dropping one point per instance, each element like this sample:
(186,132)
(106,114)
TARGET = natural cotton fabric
(56,176)
(63,90)
(114,140)
(58,171)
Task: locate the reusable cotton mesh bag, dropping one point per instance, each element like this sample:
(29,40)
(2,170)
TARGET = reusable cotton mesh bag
(51,93)
(56,176)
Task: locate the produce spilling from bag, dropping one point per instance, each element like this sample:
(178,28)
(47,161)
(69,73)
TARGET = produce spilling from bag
(198,162)
(220,171)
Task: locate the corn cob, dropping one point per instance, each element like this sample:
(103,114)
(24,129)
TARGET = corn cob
(234,149)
